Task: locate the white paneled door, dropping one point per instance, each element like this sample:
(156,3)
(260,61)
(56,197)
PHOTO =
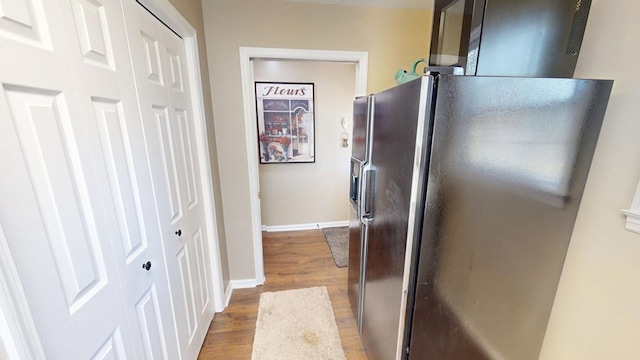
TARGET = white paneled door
(102,235)
(159,64)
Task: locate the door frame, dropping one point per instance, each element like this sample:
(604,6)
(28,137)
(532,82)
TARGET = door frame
(359,58)
(19,338)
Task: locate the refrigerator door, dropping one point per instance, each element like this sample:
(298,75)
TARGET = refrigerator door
(510,158)
(362,108)
(362,113)
(394,189)
(354,274)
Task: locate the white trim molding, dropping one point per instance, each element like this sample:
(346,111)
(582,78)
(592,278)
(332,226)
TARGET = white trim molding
(244,284)
(239,284)
(227,294)
(359,58)
(633,214)
(390,4)
(296,227)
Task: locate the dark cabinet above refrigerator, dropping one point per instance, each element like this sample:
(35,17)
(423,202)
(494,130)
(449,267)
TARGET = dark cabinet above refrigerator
(526,38)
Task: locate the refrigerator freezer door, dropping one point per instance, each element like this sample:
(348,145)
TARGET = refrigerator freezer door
(510,157)
(361,152)
(398,133)
(361,114)
(354,276)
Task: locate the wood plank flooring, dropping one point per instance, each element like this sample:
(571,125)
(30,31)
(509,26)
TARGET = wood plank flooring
(292,260)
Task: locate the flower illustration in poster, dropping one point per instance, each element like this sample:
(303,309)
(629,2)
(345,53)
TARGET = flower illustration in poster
(285,122)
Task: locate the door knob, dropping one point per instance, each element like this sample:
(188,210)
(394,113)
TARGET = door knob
(179,232)
(146,265)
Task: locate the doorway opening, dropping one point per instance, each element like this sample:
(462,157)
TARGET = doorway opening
(295,193)
(247,54)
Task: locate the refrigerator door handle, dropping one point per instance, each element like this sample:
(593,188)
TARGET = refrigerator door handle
(360,192)
(361,196)
(367,195)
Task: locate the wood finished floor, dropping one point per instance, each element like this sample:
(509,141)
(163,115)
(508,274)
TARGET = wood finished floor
(292,260)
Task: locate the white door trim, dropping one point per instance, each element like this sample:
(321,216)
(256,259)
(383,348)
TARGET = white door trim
(359,58)
(164,11)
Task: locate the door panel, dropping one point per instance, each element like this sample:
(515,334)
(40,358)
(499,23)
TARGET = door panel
(203,289)
(150,320)
(123,181)
(186,147)
(44,132)
(112,349)
(186,283)
(175,71)
(151,53)
(92,28)
(23,21)
(168,158)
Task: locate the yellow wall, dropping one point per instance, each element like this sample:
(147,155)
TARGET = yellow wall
(192,11)
(293,194)
(596,314)
(394,38)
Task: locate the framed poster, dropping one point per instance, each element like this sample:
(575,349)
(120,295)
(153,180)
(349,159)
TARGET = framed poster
(286,126)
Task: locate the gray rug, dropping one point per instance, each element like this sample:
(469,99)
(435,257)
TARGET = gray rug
(338,240)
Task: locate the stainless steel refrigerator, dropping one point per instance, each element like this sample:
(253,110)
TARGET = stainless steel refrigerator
(464,194)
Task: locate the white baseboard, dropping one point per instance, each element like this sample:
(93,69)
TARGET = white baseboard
(227,294)
(245,284)
(238,284)
(296,227)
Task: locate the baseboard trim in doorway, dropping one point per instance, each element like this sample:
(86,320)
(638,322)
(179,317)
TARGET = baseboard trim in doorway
(245,284)
(239,284)
(227,294)
(296,227)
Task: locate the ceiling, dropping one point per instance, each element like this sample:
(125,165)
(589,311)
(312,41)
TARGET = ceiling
(403,4)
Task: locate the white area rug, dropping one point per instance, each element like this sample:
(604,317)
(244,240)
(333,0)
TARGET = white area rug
(296,325)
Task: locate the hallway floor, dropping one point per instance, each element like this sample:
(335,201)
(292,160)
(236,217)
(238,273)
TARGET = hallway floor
(292,260)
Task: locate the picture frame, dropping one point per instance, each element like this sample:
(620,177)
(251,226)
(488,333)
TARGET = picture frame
(286,122)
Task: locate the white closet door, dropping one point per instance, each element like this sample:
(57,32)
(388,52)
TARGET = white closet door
(54,226)
(160,70)
(191,248)
(77,208)
(104,77)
